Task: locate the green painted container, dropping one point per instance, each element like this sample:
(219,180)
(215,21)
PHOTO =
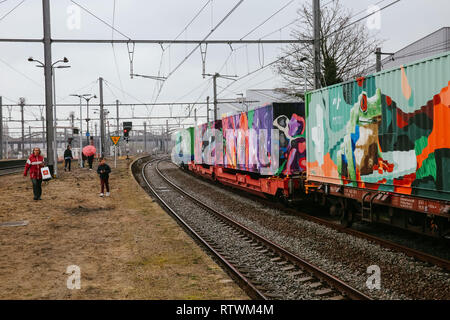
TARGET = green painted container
(183,149)
(389,131)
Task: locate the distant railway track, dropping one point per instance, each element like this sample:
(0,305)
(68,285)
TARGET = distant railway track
(222,234)
(11,166)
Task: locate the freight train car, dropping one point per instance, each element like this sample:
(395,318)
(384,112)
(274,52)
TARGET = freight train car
(259,151)
(183,146)
(379,146)
(376,148)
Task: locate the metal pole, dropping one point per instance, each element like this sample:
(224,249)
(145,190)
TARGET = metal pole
(29,130)
(80,156)
(378,63)
(316,9)
(1,128)
(48,84)
(165,136)
(6,142)
(87,121)
(195,116)
(102,120)
(22,147)
(215,95)
(117,117)
(95,128)
(145,137)
(108,141)
(54,121)
(207,109)
(43,132)
(304,94)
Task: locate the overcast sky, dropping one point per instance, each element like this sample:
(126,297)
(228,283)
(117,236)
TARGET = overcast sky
(401,24)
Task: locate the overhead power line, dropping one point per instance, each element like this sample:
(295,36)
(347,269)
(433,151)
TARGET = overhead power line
(262,23)
(21,73)
(12,10)
(365,17)
(100,19)
(198,45)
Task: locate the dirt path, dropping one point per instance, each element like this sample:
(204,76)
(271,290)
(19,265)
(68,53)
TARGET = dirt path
(126,246)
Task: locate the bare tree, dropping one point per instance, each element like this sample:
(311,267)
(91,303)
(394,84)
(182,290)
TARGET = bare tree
(345,51)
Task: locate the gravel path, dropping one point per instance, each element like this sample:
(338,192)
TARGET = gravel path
(342,255)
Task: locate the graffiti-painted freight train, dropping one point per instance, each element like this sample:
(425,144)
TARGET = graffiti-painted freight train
(376,148)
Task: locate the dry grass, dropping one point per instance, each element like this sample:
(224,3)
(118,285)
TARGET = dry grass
(126,246)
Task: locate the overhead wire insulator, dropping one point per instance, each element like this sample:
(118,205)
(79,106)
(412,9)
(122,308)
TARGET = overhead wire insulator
(131,56)
(203,55)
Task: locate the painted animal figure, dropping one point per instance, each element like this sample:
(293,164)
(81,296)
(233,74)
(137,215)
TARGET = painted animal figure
(360,151)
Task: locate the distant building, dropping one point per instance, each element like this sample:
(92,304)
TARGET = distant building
(430,45)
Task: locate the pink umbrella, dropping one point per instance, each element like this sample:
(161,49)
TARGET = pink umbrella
(89,151)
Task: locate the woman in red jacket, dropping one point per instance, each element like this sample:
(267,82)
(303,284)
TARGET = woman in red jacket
(34,164)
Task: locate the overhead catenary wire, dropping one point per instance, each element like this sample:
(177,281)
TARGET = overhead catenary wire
(260,50)
(198,45)
(21,73)
(155,88)
(126,93)
(100,19)
(112,45)
(90,85)
(259,69)
(360,19)
(271,16)
(12,10)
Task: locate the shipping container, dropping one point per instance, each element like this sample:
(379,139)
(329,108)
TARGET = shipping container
(269,140)
(389,131)
(183,149)
(208,143)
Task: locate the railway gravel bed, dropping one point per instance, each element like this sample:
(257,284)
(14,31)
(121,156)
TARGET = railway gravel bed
(276,278)
(345,256)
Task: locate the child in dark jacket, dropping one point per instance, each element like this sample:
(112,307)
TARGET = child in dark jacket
(67,157)
(104,170)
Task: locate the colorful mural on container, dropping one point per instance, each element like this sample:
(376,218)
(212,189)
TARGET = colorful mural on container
(183,147)
(269,140)
(388,132)
(208,143)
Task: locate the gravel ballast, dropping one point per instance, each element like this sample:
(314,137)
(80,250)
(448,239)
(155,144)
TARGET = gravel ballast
(345,256)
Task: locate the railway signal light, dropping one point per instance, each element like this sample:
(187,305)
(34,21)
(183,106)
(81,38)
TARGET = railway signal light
(127,128)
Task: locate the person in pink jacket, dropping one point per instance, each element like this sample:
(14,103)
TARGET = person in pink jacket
(34,163)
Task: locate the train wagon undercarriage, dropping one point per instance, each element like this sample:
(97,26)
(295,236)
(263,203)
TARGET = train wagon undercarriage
(349,204)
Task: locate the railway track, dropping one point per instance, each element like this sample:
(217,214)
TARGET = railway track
(11,166)
(416,254)
(265,264)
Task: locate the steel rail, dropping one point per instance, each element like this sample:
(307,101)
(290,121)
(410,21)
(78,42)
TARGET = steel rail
(333,281)
(243,281)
